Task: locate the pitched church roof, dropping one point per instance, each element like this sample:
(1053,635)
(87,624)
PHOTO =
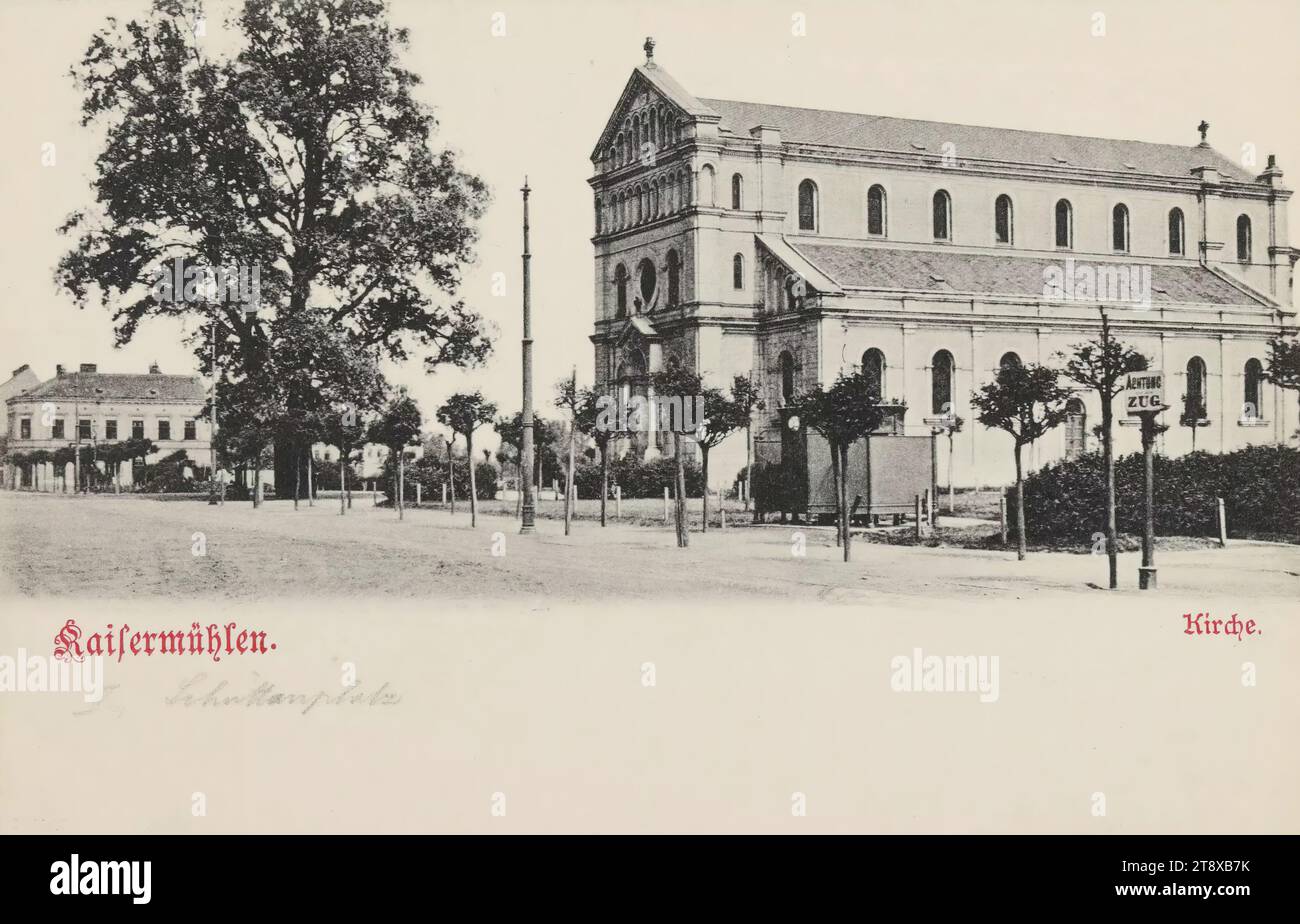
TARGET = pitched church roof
(972,142)
(946,272)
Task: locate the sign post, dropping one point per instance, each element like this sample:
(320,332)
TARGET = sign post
(1144,397)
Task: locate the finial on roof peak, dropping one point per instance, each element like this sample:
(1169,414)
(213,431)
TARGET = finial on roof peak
(649,48)
(1204,129)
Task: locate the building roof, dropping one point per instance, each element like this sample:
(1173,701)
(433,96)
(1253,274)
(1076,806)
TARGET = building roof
(972,142)
(948,272)
(113,386)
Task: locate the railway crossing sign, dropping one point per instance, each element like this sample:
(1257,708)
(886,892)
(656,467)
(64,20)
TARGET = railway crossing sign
(1144,392)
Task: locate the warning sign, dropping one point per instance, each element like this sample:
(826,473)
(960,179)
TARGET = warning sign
(1144,392)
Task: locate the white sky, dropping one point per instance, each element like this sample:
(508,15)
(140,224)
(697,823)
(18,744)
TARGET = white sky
(533,102)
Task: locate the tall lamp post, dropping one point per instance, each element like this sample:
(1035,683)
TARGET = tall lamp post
(529,508)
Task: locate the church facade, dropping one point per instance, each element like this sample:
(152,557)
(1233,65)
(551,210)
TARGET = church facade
(790,244)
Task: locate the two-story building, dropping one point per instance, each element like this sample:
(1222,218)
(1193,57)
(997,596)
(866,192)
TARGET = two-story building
(88,407)
(791,244)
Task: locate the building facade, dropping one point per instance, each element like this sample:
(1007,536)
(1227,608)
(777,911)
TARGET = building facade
(23,379)
(92,407)
(792,244)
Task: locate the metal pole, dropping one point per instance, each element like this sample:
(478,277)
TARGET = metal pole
(529,508)
(1147,573)
(212,428)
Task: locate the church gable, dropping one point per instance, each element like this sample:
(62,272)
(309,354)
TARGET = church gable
(650,111)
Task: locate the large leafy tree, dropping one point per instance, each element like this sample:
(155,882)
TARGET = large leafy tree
(1283,365)
(1101,365)
(1026,402)
(463,413)
(304,155)
(597,415)
(676,383)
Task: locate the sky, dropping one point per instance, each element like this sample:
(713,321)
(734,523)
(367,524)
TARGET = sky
(532,101)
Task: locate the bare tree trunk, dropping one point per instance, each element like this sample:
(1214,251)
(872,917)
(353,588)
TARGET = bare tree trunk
(311,501)
(683,531)
(451,478)
(835,475)
(568,484)
(519,485)
(297,475)
(343,484)
(749,462)
(401,481)
(1020,507)
(704,472)
(951,488)
(473,490)
(604,480)
(844,498)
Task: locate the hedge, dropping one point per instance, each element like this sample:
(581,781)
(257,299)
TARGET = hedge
(1260,486)
(638,478)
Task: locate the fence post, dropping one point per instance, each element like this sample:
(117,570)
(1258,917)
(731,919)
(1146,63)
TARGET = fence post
(665,505)
(1223,522)
(418,493)
(1002,517)
(929,507)
(618,501)
(920,516)
(723,512)
(444,494)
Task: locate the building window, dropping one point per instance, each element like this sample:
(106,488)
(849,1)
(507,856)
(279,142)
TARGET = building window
(873,367)
(942,216)
(1243,239)
(706,186)
(1119,231)
(137,429)
(1194,408)
(807,206)
(941,376)
(786,362)
(737,191)
(738,272)
(1176,245)
(191,430)
(1254,377)
(620,289)
(1076,429)
(84,431)
(674,279)
(110,429)
(57,431)
(1009,360)
(598,214)
(1002,219)
(1064,224)
(876,210)
(164,429)
(645,271)
(25,428)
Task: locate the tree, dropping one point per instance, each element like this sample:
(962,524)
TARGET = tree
(397,427)
(722,417)
(1283,365)
(1026,402)
(747,398)
(843,414)
(568,397)
(463,414)
(302,163)
(678,387)
(951,425)
(511,431)
(598,414)
(1101,365)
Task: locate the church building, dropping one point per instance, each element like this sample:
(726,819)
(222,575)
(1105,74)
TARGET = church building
(791,244)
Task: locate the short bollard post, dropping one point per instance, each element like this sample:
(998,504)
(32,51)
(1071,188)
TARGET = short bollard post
(665,505)
(618,501)
(1223,522)
(1002,517)
(920,521)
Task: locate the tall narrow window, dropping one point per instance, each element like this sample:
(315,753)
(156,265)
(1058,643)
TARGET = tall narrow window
(786,363)
(56,431)
(941,376)
(164,429)
(110,429)
(1076,429)
(1194,407)
(1254,377)
(807,206)
(738,272)
(674,279)
(942,216)
(620,289)
(1064,224)
(1002,219)
(876,210)
(84,429)
(25,428)
(137,429)
(1176,245)
(737,191)
(706,186)
(191,430)
(646,276)
(1009,360)
(1119,231)
(873,367)
(1243,239)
